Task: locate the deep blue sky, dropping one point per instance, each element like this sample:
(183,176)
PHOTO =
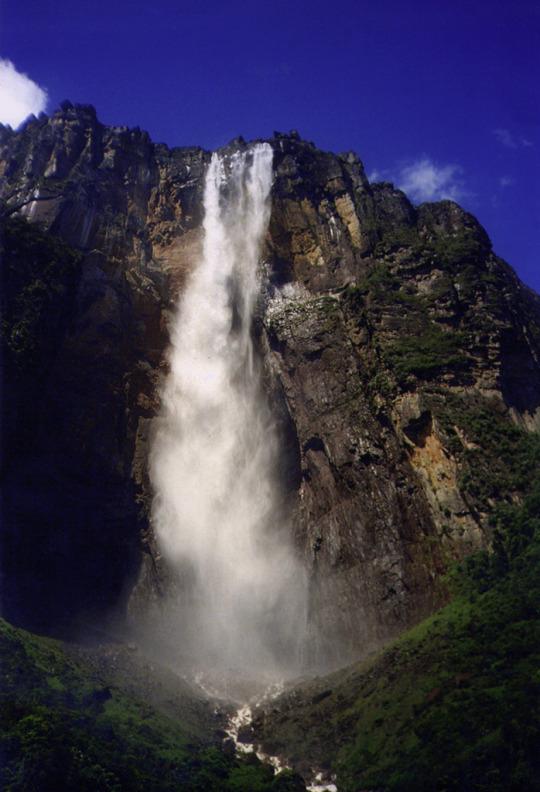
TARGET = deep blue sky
(454,85)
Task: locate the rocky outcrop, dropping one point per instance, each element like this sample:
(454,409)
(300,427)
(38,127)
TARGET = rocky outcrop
(391,335)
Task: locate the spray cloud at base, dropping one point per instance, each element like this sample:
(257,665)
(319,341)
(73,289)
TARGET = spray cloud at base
(239,598)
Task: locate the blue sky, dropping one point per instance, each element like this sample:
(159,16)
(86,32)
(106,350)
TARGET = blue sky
(441,97)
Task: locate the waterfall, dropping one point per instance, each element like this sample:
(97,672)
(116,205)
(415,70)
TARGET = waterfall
(218,511)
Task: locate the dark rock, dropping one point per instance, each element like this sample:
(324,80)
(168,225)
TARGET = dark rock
(393,325)
(245,734)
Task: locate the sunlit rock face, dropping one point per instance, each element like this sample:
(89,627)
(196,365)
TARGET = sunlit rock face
(381,328)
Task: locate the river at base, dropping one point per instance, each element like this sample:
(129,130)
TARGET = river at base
(249,695)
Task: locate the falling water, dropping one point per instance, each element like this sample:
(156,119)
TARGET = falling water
(218,510)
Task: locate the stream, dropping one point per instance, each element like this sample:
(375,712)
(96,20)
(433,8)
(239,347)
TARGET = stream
(242,719)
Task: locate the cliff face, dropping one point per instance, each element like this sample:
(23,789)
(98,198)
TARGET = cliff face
(404,347)
(401,354)
(73,515)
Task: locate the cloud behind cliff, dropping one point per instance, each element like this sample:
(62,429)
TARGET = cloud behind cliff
(19,95)
(424,180)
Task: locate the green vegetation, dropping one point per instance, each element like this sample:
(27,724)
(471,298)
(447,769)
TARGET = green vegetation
(497,459)
(452,706)
(413,346)
(426,354)
(455,703)
(38,278)
(399,238)
(448,250)
(378,281)
(380,287)
(454,250)
(64,728)
(515,530)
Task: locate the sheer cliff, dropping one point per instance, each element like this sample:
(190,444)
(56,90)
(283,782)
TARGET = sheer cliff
(402,357)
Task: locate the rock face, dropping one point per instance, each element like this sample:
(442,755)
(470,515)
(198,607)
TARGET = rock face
(72,505)
(398,350)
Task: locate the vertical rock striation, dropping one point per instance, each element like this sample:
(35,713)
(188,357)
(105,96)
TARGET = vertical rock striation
(398,350)
(76,495)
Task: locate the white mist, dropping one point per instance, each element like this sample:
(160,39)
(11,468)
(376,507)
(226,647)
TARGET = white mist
(218,512)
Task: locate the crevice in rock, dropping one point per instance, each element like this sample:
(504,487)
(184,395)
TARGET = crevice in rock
(419,429)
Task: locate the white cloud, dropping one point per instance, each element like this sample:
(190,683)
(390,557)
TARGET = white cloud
(505,138)
(376,176)
(424,180)
(508,140)
(506,181)
(19,95)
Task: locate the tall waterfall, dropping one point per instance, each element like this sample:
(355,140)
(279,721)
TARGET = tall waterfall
(218,512)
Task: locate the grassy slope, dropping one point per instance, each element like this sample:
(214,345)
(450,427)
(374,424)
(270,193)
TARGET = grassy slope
(64,727)
(453,705)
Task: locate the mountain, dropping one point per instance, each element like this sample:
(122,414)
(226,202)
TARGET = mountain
(401,357)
